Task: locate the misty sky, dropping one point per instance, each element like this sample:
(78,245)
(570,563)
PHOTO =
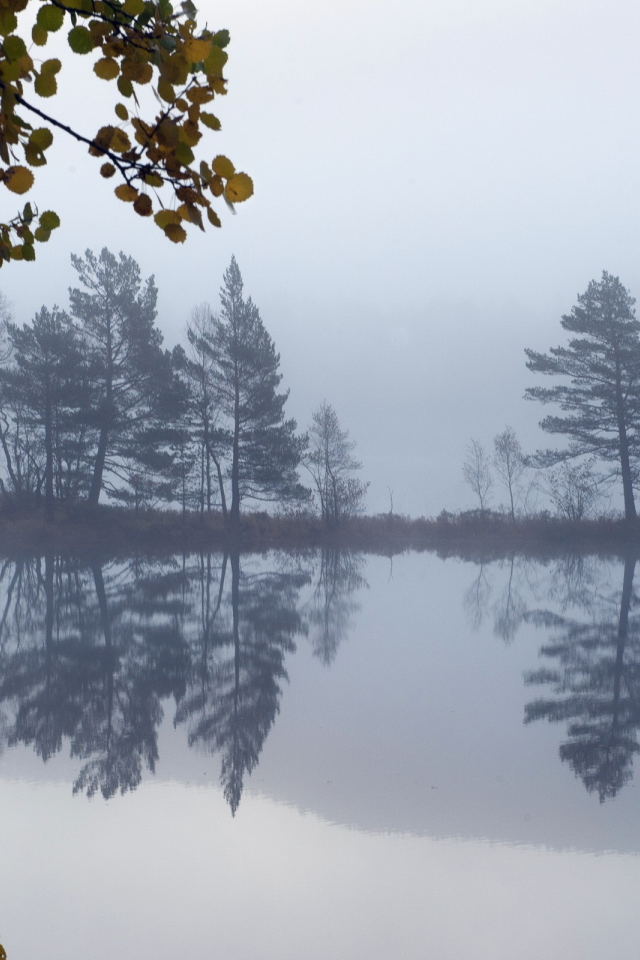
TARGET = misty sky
(435,182)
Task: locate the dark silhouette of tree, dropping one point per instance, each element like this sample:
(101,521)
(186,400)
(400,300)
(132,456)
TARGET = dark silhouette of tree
(46,385)
(210,439)
(596,682)
(265,452)
(601,402)
(117,315)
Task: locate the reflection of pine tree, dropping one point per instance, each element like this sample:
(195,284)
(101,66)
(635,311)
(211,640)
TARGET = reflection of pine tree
(332,607)
(597,687)
(94,665)
(234,694)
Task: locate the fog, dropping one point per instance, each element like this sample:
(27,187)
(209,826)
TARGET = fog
(435,183)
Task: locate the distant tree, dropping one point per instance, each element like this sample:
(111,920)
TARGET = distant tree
(602,399)
(575,490)
(331,464)
(46,382)
(509,464)
(117,315)
(264,450)
(476,470)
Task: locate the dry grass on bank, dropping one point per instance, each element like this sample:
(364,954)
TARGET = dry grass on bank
(471,535)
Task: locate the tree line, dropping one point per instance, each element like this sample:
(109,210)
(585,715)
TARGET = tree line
(598,404)
(92,406)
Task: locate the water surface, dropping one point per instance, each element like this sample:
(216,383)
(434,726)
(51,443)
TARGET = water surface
(319,755)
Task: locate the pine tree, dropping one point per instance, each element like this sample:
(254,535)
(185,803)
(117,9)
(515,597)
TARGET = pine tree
(46,382)
(602,400)
(117,314)
(265,451)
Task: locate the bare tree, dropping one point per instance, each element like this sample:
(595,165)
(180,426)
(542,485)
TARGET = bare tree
(476,470)
(509,464)
(576,491)
(331,464)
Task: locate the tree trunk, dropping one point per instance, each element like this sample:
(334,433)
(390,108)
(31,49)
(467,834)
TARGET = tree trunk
(223,499)
(98,469)
(49,509)
(625,465)
(235,464)
(623,630)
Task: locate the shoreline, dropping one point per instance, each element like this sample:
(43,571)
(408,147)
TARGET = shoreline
(81,529)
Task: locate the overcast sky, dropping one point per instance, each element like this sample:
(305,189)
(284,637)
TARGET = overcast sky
(435,183)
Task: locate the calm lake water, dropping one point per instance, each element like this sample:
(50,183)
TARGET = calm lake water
(321,756)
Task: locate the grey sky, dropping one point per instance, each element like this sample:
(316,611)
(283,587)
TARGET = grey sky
(435,182)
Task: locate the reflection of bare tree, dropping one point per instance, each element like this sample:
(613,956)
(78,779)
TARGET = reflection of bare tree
(476,599)
(332,608)
(595,680)
(510,608)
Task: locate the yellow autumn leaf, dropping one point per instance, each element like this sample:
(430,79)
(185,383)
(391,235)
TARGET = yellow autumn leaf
(18,179)
(195,51)
(39,36)
(191,214)
(120,142)
(126,192)
(153,180)
(165,218)
(51,66)
(216,185)
(175,233)
(42,138)
(106,68)
(223,167)
(199,95)
(239,188)
(213,217)
(121,111)
(143,205)
(165,90)
(45,85)
(107,170)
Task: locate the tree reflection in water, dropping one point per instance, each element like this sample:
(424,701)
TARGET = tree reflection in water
(593,660)
(90,652)
(595,680)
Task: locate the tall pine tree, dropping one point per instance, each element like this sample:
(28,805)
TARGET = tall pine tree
(265,451)
(117,312)
(601,402)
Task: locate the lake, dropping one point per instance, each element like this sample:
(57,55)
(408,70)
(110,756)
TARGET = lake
(319,755)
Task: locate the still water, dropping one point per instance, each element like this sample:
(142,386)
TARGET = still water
(319,756)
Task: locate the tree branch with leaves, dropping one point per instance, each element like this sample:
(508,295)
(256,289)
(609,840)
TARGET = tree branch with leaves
(140,43)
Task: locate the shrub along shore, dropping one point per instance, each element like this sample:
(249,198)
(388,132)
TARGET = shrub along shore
(83,528)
